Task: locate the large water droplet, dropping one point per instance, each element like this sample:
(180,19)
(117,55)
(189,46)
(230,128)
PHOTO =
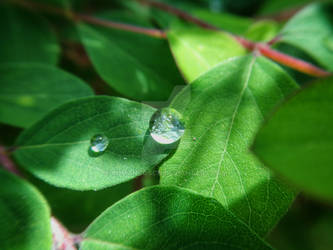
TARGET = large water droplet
(166,126)
(99,143)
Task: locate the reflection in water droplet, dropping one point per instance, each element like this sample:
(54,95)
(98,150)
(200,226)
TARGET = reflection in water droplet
(99,143)
(166,126)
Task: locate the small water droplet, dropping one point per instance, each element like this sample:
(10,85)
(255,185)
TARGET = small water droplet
(125,158)
(99,143)
(166,126)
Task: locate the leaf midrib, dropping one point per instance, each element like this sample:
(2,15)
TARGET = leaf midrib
(232,122)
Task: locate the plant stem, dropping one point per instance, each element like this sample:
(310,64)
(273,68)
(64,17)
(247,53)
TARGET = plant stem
(292,62)
(7,163)
(179,13)
(264,49)
(90,19)
(121,26)
(62,239)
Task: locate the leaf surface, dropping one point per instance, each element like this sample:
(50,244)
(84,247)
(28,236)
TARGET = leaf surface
(312,31)
(29,91)
(25,216)
(169,218)
(298,140)
(222,110)
(197,50)
(56,149)
(137,66)
(26,37)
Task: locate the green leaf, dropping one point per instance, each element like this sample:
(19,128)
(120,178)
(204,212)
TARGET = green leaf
(137,66)
(26,37)
(169,218)
(197,50)
(64,202)
(225,21)
(276,6)
(298,140)
(222,110)
(29,91)
(311,30)
(264,30)
(56,149)
(25,216)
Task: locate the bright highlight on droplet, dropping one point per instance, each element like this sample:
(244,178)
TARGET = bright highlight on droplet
(99,143)
(167,126)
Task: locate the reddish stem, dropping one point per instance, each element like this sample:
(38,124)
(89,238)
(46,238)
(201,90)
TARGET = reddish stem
(291,62)
(179,13)
(121,26)
(7,163)
(90,19)
(265,50)
(62,239)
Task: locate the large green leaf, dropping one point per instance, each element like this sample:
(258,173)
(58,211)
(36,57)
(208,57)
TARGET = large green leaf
(25,216)
(298,140)
(312,30)
(56,149)
(222,111)
(197,50)
(137,66)
(26,37)
(169,218)
(29,91)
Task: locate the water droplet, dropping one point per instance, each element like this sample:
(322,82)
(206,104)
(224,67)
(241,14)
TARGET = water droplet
(99,143)
(125,158)
(166,126)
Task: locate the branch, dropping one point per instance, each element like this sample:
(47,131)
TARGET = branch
(90,19)
(121,26)
(292,62)
(7,163)
(62,238)
(179,13)
(264,49)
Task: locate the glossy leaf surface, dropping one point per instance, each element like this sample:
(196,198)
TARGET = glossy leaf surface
(57,148)
(169,218)
(223,110)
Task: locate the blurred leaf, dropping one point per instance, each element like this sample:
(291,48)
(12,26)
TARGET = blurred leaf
(264,30)
(225,21)
(169,218)
(25,216)
(29,91)
(223,110)
(311,30)
(56,149)
(275,6)
(77,209)
(137,66)
(26,37)
(297,141)
(197,50)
